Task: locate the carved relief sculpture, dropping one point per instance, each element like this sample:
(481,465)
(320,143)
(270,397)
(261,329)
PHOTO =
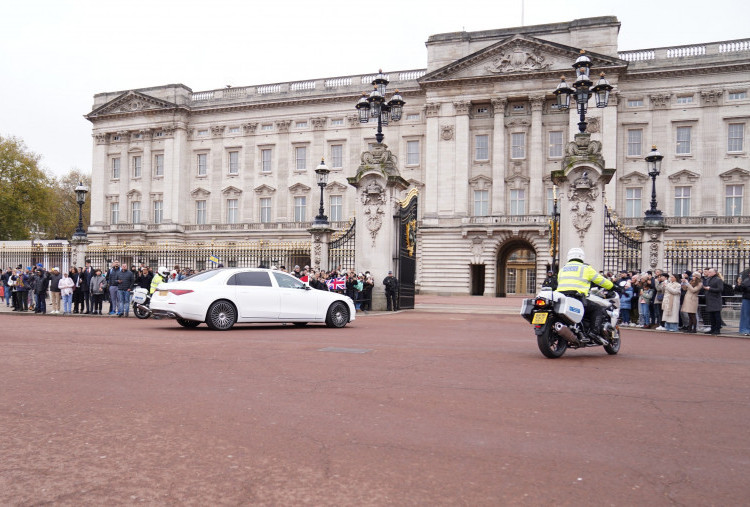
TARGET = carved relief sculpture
(582,194)
(373,199)
(519,59)
(446,132)
(653,256)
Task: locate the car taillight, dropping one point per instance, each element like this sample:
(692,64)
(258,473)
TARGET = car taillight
(179,292)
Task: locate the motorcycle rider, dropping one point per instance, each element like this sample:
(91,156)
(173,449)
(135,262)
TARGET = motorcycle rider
(160,276)
(575,279)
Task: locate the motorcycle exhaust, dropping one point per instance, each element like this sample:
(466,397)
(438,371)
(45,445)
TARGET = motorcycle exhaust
(566,333)
(144,308)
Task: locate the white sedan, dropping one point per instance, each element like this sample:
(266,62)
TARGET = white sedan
(223,297)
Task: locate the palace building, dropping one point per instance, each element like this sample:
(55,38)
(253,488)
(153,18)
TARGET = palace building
(479,139)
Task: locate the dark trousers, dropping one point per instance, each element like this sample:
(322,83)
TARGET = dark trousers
(715,319)
(96,302)
(390,301)
(41,302)
(22,300)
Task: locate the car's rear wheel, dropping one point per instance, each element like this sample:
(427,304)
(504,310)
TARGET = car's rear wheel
(338,315)
(221,315)
(188,323)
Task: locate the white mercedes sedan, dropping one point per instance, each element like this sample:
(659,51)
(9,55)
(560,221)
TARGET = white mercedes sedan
(223,297)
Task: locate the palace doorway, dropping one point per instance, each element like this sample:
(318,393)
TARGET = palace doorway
(516,269)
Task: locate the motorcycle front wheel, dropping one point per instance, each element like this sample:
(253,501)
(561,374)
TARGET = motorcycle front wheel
(614,342)
(551,344)
(141,314)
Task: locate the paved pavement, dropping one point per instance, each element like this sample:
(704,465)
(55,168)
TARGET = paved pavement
(405,408)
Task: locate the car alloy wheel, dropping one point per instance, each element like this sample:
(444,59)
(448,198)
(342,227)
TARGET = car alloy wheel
(221,315)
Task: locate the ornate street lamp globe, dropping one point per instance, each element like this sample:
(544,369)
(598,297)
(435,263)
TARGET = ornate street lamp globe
(81,192)
(563,93)
(396,105)
(322,173)
(653,159)
(380,82)
(601,91)
(363,107)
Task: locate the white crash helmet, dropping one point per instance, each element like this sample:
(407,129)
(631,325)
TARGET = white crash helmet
(164,272)
(576,253)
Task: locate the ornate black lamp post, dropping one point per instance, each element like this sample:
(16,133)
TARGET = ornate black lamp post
(582,90)
(653,159)
(375,106)
(322,173)
(555,231)
(81,192)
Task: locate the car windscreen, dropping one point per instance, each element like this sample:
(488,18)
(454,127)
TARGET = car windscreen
(200,277)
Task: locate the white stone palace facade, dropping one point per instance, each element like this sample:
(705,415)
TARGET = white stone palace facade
(479,139)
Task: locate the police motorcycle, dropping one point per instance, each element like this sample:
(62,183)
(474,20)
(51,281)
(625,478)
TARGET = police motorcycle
(141,300)
(559,324)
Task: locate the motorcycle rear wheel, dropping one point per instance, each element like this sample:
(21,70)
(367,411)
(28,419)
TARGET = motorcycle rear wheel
(614,342)
(551,345)
(141,314)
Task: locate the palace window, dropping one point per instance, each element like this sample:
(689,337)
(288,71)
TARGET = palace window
(736,138)
(412,152)
(683,140)
(232,211)
(300,208)
(202,164)
(137,167)
(734,200)
(234,130)
(737,95)
(265,160)
(481,203)
(336,122)
(555,144)
(200,212)
(300,125)
(114,212)
(158,165)
(266,127)
(337,156)
(518,202)
(413,116)
(116,168)
(203,133)
(135,212)
(518,145)
(635,142)
(635,103)
(158,211)
(335,205)
(682,201)
(633,202)
(265,210)
(234,162)
(300,157)
(482,147)
(685,99)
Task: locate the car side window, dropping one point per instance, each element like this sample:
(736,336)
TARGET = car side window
(254,279)
(287,282)
(234,279)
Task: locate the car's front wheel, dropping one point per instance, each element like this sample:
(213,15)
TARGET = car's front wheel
(338,315)
(221,315)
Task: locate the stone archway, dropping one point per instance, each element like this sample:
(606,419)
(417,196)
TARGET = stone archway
(516,272)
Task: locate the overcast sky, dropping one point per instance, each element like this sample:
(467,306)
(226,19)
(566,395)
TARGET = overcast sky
(56,54)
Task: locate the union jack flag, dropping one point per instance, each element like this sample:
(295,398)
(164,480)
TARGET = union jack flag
(336,283)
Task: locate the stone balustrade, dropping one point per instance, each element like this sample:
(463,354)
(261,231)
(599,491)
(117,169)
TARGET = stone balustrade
(690,51)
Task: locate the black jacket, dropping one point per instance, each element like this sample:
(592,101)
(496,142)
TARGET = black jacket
(744,287)
(714,288)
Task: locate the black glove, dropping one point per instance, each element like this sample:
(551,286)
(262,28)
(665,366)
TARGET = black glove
(618,289)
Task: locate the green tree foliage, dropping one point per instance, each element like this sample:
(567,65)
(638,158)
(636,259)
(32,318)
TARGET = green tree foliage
(26,201)
(65,220)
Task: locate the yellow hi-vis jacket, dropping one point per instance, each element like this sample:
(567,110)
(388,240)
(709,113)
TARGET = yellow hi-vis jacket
(155,281)
(578,276)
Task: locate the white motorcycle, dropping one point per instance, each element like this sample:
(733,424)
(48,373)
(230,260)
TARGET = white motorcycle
(141,300)
(559,324)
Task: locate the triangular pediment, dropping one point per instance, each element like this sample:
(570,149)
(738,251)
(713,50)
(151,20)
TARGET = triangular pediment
(200,193)
(516,56)
(231,190)
(414,183)
(299,188)
(684,176)
(131,102)
(336,187)
(633,177)
(480,182)
(735,175)
(264,190)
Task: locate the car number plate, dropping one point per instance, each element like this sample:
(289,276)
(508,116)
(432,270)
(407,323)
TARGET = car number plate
(163,292)
(539,318)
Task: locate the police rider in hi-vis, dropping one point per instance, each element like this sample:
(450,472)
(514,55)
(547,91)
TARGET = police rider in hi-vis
(575,279)
(160,276)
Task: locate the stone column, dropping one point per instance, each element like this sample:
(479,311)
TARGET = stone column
(498,156)
(707,139)
(432,136)
(536,197)
(321,238)
(78,247)
(652,246)
(462,150)
(582,179)
(379,186)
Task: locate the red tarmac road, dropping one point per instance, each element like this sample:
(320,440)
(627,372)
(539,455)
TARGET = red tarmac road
(409,408)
